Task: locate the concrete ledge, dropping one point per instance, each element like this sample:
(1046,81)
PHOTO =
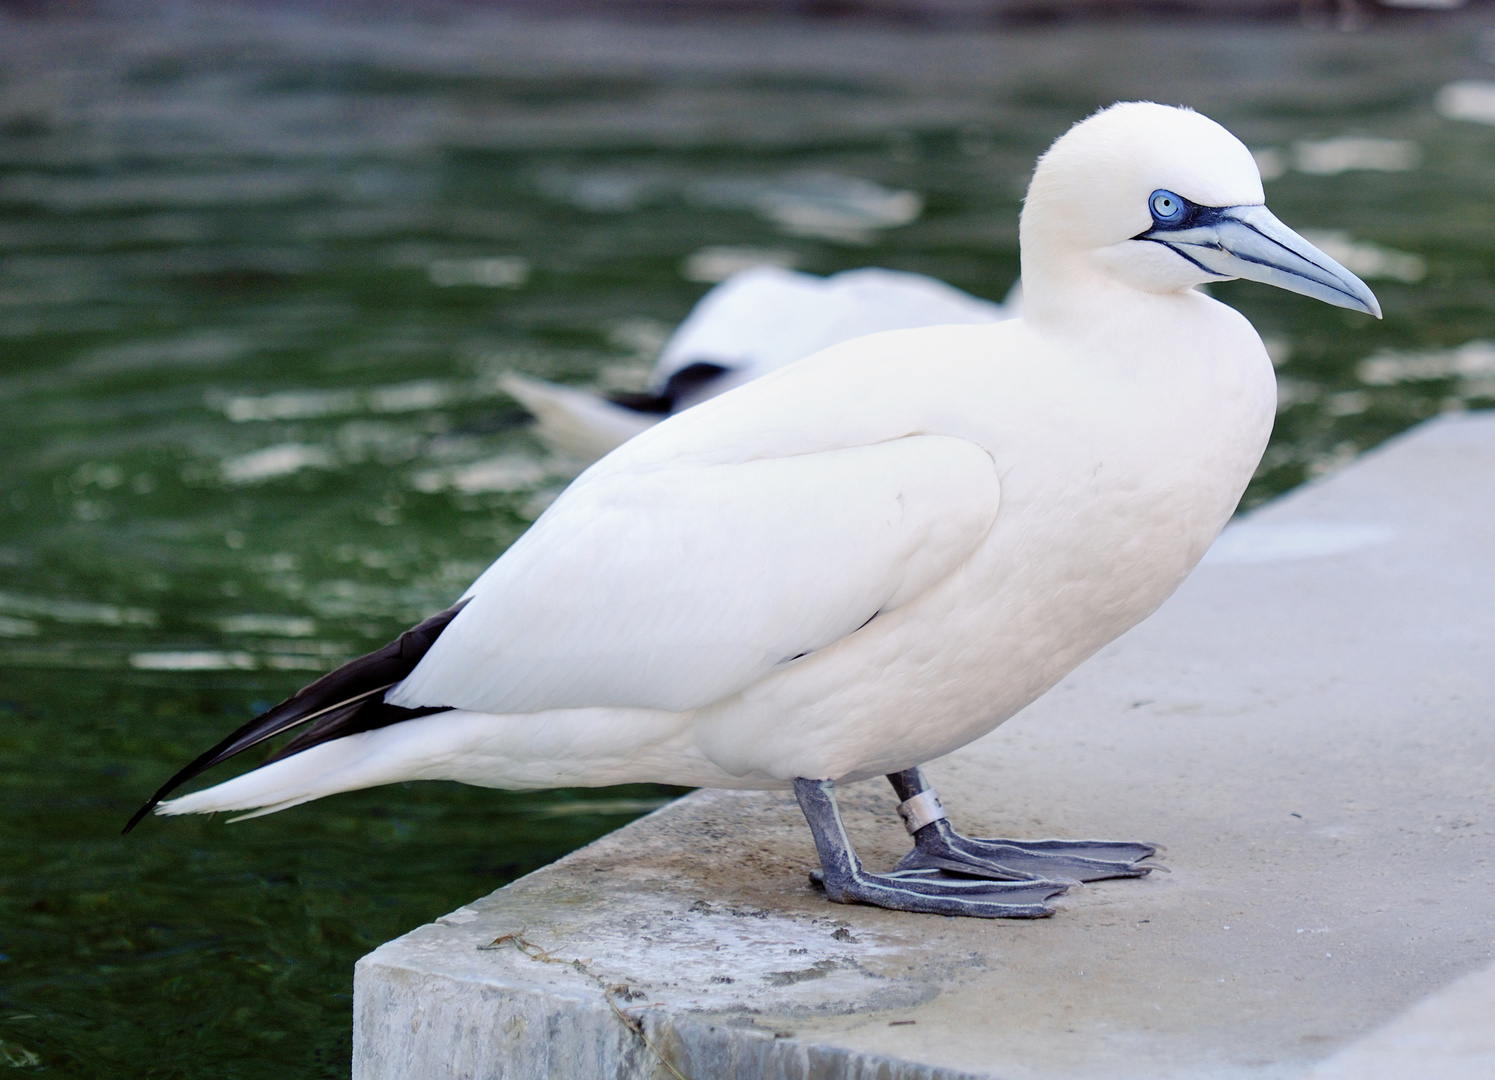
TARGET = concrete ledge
(1306,726)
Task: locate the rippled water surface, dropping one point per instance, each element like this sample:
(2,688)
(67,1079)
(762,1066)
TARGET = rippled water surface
(261,273)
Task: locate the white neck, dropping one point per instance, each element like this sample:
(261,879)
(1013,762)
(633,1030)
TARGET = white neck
(1072,297)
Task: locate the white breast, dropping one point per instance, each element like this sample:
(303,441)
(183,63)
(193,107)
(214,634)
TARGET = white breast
(1114,484)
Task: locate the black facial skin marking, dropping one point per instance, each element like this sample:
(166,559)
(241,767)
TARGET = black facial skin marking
(1196,216)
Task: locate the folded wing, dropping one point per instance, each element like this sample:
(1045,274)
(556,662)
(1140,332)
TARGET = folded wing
(678,586)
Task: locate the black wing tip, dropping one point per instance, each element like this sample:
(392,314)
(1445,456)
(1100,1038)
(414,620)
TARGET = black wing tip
(691,377)
(404,653)
(649,404)
(153,802)
(199,765)
(220,753)
(137,817)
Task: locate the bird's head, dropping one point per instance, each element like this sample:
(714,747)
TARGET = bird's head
(1160,200)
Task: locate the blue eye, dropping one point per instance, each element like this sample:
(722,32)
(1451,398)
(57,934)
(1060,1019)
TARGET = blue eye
(1167,208)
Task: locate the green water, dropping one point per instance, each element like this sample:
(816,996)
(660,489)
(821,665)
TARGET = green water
(239,417)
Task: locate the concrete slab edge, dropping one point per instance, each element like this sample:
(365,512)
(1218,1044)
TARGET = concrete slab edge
(437,1028)
(1449,1035)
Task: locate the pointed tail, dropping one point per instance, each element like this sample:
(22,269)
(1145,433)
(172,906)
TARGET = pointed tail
(345,701)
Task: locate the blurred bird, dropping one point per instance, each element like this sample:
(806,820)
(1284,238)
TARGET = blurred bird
(754,322)
(869,558)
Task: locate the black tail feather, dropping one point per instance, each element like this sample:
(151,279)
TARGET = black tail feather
(343,702)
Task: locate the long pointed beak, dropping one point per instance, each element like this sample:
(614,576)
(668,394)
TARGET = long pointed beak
(1249,242)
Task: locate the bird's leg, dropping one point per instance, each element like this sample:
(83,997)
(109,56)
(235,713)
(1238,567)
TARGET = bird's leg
(938,846)
(927,890)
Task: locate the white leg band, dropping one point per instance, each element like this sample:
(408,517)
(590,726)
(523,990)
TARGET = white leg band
(923,809)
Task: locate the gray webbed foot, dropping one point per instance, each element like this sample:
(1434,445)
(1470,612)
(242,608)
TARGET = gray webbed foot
(929,890)
(1020,860)
(936,892)
(937,846)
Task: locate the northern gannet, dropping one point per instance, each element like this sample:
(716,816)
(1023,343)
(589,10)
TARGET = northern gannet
(754,322)
(868,558)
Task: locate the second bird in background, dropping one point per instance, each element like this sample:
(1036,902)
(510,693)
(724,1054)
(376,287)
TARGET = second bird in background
(752,323)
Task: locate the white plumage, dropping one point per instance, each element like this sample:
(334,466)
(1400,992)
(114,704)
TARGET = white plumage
(871,557)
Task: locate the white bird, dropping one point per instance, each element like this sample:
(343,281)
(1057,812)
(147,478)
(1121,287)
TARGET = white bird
(869,558)
(754,322)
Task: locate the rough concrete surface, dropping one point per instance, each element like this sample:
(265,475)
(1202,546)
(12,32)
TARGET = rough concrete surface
(1308,726)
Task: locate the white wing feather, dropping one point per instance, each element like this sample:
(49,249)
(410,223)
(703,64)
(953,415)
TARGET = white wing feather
(675,587)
